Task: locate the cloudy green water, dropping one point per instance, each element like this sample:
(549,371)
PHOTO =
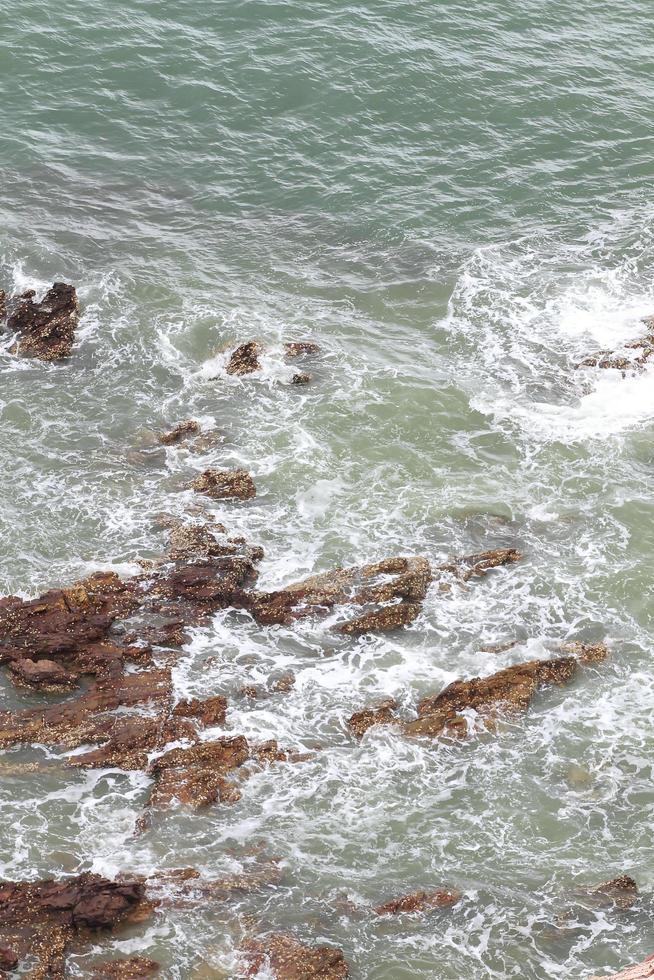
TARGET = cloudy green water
(454,200)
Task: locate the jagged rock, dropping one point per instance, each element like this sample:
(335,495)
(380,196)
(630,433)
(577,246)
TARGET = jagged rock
(181,431)
(245,359)
(46,675)
(197,776)
(46,329)
(363,584)
(222,484)
(420,901)
(642,971)
(210,712)
(42,917)
(133,968)
(381,714)
(384,619)
(300,348)
(478,565)
(288,959)
(620,892)
(509,691)
(586,653)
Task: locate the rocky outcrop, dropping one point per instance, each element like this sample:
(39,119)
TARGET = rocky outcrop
(619,893)
(225,484)
(183,430)
(46,330)
(287,959)
(382,620)
(196,776)
(419,902)
(508,692)
(43,917)
(642,971)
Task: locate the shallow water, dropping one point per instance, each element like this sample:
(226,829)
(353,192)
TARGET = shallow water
(455,202)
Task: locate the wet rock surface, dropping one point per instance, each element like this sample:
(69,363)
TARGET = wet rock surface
(46,329)
(639,972)
(623,360)
(288,959)
(419,902)
(128,969)
(43,917)
(224,484)
(183,430)
(245,359)
(503,694)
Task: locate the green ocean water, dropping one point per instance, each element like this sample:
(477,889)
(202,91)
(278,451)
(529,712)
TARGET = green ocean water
(455,202)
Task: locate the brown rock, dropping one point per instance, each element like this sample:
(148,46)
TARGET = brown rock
(245,359)
(620,892)
(44,916)
(478,565)
(46,329)
(222,484)
(420,901)
(288,959)
(8,959)
(586,653)
(213,711)
(384,619)
(382,714)
(181,431)
(300,348)
(46,675)
(302,378)
(509,691)
(196,776)
(642,971)
(130,969)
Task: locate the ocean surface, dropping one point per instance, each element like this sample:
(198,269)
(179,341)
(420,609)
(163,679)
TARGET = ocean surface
(455,201)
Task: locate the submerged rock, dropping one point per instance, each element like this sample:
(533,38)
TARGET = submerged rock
(419,901)
(609,359)
(183,430)
(381,714)
(47,329)
(384,619)
(222,484)
(288,959)
(642,971)
(621,892)
(133,968)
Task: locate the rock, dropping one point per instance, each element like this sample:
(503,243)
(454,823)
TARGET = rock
(471,566)
(245,359)
(213,711)
(288,959)
(130,969)
(363,584)
(620,892)
(181,431)
(608,359)
(47,329)
(196,776)
(8,959)
(44,916)
(222,484)
(586,653)
(640,972)
(508,692)
(420,901)
(3,304)
(381,714)
(46,675)
(300,348)
(384,619)
(302,378)
(283,684)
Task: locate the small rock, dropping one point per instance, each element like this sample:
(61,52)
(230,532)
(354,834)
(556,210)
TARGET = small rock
(222,484)
(420,901)
(181,431)
(245,359)
(288,959)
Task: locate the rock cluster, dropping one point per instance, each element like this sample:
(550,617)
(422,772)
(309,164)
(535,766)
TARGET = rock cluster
(288,959)
(624,361)
(245,359)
